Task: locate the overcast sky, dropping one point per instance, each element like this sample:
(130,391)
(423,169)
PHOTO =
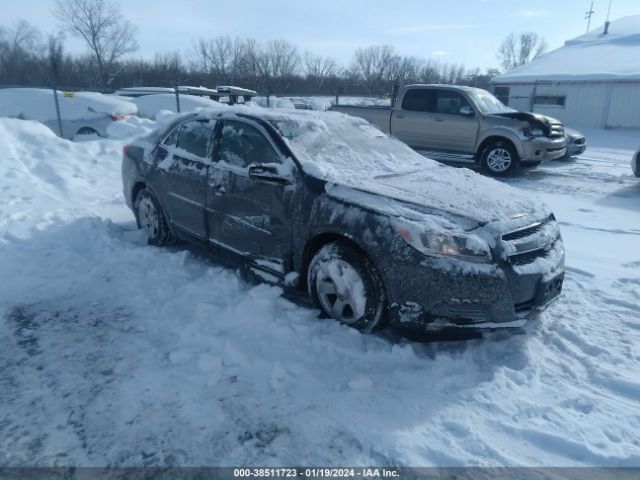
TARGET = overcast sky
(466,31)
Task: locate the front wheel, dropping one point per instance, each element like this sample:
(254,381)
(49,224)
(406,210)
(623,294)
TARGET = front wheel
(345,285)
(499,159)
(151,219)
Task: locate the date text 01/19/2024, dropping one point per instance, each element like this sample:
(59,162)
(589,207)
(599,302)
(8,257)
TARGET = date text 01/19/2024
(315,472)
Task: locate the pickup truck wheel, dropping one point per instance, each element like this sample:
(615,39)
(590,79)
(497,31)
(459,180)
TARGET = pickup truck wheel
(499,159)
(344,284)
(151,219)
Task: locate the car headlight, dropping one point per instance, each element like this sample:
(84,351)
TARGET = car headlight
(463,246)
(532,132)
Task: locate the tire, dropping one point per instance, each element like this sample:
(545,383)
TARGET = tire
(345,286)
(85,133)
(151,218)
(499,159)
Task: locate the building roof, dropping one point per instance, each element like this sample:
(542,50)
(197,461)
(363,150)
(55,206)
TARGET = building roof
(594,56)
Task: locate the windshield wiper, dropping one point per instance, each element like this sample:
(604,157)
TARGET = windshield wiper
(397,174)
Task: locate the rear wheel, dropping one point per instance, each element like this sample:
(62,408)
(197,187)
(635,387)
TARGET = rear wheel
(86,133)
(151,219)
(344,284)
(499,159)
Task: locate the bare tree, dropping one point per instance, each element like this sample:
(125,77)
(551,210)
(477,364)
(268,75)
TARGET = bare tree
(277,63)
(515,51)
(20,49)
(319,69)
(101,25)
(372,66)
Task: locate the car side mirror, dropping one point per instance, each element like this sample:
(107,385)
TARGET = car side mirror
(467,111)
(268,172)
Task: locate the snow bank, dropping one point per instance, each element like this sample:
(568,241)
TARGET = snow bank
(46,179)
(149,105)
(131,127)
(39,104)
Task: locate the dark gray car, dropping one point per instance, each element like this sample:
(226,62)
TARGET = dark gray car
(328,204)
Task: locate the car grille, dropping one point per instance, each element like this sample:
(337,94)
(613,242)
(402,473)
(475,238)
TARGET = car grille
(526,231)
(557,130)
(528,257)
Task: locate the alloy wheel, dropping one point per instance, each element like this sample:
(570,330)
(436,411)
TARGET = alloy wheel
(341,291)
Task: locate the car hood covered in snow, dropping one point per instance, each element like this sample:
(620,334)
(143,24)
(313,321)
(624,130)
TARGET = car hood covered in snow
(349,152)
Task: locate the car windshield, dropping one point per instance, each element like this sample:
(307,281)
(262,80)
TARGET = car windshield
(487,103)
(332,145)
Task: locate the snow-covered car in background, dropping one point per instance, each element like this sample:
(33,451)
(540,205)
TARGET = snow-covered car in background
(149,105)
(82,113)
(576,143)
(635,164)
(329,204)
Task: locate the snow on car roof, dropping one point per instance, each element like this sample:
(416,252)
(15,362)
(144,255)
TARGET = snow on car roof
(38,104)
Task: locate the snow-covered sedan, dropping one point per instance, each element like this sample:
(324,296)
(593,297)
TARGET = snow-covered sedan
(83,114)
(327,203)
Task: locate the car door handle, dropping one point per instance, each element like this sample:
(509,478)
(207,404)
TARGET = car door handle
(439,119)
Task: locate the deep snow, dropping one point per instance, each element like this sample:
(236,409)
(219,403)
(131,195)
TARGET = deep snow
(115,353)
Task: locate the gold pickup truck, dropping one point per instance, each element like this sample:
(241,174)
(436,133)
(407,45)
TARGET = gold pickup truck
(455,123)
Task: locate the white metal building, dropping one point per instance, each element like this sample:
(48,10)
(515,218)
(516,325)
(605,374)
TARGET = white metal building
(592,81)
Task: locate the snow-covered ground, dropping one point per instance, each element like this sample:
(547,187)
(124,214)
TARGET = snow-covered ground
(114,353)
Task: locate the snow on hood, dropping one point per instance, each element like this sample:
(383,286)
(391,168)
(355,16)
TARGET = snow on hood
(38,104)
(350,152)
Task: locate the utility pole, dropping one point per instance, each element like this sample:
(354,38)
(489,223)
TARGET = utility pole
(587,16)
(606,24)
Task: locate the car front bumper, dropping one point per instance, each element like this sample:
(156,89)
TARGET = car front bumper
(542,149)
(434,295)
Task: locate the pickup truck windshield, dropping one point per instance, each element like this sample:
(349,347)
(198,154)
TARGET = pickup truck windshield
(488,104)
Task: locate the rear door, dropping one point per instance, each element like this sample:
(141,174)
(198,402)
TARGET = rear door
(451,130)
(248,216)
(183,163)
(411,123)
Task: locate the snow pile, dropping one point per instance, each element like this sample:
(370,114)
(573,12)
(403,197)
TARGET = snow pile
(46,179)
(592,56)
(131,127)
(39,104)
(149,105)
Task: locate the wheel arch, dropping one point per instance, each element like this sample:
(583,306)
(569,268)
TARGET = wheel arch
(492,139)
(315,243)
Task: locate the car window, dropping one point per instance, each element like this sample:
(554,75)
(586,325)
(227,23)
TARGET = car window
(450,102)
(241,145)
(172,139)
(195,137)
(419,100)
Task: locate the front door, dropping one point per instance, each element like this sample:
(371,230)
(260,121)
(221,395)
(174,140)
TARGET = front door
(450,129)
(248,216)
